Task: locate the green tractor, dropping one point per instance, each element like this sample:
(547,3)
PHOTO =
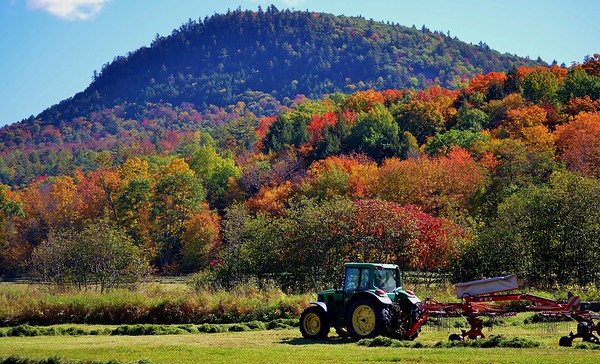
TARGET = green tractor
(371,303)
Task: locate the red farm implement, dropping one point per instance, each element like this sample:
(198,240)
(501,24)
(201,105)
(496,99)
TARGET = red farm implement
(483,298)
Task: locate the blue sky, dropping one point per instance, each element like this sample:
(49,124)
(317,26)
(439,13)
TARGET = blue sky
(49,49)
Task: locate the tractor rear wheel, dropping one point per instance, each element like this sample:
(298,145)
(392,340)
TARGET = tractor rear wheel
(314,324)
(400,318)
(364,318)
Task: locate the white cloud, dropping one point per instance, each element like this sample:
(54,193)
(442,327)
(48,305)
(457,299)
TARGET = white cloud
(69,9)
(286,2)
(292,2)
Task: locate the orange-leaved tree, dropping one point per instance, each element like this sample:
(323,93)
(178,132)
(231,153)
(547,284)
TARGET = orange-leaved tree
(578,143)
(442,186)
(344,175)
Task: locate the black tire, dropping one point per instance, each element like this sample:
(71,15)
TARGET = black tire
(314,324)
(411,313)
(583,329)
(565,341)
(399,319)
(455,337)
(365,318)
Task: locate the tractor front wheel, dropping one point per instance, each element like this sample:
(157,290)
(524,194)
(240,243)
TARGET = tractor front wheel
(314,324)
(364,318)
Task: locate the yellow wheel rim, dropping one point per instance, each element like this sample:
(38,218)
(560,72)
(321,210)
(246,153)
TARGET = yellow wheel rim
(363,320)
(312,324)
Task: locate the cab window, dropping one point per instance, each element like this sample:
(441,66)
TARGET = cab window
(385,279)
(357,279)
(364,278)
(352,277)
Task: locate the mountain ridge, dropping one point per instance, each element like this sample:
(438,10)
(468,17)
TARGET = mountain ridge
(282,53)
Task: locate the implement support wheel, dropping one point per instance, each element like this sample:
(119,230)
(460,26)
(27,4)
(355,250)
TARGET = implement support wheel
(565,341)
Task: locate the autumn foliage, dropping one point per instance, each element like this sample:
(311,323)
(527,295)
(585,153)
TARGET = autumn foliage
(425,178)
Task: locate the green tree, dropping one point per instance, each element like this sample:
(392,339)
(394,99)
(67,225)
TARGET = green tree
(579,83)
(442,143)
(10,209)
(333,139)
(422,119)
(178,194)
(133,208)
(101,255)
(547,234)
(471,119)
(250,246)
(375,134)
(541,85)
(288,129)
(317,237)
(215,172)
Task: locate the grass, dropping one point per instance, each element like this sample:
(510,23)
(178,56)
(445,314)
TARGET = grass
(288,346)
(244,325)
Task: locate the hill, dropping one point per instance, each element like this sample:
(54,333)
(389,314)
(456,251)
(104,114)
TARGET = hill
(282,53)
(187,81)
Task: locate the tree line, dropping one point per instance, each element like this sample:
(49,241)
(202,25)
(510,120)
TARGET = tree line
(500,176)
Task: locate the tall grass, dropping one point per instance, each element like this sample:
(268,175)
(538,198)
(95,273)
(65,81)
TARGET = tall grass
(151,303)
(185,302)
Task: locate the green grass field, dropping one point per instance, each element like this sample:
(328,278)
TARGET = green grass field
(21,303)
(288,346)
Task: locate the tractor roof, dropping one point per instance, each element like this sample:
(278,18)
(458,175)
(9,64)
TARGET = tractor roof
(370,265)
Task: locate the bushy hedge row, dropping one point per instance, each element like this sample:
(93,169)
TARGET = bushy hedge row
(59,360)
(494,341)
(147,329)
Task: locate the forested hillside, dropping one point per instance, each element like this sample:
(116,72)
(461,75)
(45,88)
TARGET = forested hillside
(499,176)
(282,53)
(220,74)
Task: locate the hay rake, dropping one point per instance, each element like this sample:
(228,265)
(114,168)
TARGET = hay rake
(481,298)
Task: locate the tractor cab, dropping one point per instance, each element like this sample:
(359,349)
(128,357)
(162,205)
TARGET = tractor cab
(370,276)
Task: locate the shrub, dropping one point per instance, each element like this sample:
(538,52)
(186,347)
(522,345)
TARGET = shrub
(494,341)
(211,328)
(282,324)
(239,328)
(256,325)
(150,304)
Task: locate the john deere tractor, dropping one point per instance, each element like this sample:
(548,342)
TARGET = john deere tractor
(371,303)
